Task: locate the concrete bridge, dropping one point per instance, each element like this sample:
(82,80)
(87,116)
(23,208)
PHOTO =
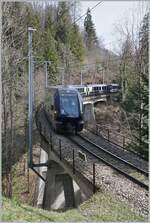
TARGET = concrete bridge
(94,99)
(63,187)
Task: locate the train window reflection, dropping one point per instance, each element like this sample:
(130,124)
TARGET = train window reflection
(69,105)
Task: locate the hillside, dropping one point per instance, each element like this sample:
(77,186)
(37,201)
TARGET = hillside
(59,41)
(100,65)
(101,207)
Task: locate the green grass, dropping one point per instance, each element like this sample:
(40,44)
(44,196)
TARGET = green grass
(13,211)
(106,207)
(139,176)
(101,207)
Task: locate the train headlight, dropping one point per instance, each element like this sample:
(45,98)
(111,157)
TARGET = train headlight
(55,114)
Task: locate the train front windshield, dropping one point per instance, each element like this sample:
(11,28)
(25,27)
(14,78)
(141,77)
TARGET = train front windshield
(69,105)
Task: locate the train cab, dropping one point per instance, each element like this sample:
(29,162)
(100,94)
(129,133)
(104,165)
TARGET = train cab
(64,108)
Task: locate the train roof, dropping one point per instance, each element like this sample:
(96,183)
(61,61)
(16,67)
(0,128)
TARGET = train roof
(77,86)
(55,86)
(114,84)
(67,89)
(61,88)
(95,85)
(65,86)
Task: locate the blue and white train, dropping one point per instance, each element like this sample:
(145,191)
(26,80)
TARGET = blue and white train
(96,89)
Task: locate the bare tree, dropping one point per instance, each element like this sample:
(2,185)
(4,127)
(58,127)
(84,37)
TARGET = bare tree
(11,42)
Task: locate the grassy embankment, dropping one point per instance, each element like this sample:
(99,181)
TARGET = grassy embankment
(101,207)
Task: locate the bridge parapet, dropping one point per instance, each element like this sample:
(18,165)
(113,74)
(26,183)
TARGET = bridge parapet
(94,99)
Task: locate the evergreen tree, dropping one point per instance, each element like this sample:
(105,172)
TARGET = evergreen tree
(127,68)
(63,23)
(134,73)
(51,53)
(144,82)
(33,19)
(69,39)
(76,43)
(90,34)
(50,47)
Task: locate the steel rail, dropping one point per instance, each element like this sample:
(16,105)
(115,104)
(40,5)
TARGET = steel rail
(106,162)
(110,141)
(113,155)
(109,164)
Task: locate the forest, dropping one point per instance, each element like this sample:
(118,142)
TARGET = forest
(71,50)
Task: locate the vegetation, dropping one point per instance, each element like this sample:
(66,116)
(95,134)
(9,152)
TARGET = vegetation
(14,211)
(58,39)
(89,34)
(134,82)
(101,207)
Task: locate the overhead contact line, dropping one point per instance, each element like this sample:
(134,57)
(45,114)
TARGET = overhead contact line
(90,11)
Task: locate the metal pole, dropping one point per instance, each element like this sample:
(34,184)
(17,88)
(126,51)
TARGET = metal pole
(62,75)
(30,96)
(33,96)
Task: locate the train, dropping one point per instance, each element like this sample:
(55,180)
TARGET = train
(64,104)
(96,89)
(64,109)
(114,88)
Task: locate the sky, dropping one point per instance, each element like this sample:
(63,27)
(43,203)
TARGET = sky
(109,13)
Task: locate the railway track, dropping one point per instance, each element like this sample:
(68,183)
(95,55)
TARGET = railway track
(117,150)
(122,166)
(114,143)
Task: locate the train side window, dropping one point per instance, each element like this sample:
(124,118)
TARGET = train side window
(52,107)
